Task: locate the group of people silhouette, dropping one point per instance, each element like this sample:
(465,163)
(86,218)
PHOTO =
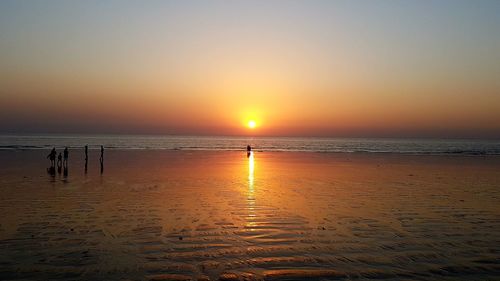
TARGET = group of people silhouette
(62,161)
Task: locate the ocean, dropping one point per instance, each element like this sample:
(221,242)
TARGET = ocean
(284,144)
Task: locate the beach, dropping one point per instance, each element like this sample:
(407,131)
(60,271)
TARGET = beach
(218,215)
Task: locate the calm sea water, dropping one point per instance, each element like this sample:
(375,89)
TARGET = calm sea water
(349,145)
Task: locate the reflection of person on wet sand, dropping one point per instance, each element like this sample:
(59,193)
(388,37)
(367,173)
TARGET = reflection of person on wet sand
(52,157)
(51,170)
(249,150)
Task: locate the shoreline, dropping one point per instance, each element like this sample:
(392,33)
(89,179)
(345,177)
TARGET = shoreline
(261,144)
(95,148)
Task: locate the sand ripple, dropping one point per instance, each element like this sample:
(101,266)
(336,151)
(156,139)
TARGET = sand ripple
(282,224)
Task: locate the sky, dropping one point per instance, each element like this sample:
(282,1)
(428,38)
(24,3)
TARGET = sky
(296,68)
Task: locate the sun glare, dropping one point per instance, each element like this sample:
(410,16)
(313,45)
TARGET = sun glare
(251,124)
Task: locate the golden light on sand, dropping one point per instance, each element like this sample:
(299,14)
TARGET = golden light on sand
(251,124)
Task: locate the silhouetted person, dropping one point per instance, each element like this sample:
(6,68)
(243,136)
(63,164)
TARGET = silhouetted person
(52,157)
(102,159)
(59,163)
(66,156)
(86,157)
(249,150)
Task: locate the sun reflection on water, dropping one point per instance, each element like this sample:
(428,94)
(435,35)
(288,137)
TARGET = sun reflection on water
(250,174)
(251,193)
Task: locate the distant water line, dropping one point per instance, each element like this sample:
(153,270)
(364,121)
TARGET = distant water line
(286,144)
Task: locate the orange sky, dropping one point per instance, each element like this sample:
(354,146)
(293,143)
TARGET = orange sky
(296,68)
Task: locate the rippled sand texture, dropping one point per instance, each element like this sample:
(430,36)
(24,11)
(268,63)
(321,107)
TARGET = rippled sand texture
(166,215)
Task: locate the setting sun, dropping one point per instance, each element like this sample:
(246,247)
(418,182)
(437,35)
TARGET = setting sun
(251,124)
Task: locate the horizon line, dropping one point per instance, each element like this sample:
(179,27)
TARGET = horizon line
(64,134)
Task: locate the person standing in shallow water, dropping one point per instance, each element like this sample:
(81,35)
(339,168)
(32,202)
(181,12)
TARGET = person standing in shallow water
(102,154)
(52,157)
(66,153)
(249,150)
(86,157)
(59,162)
(102,159)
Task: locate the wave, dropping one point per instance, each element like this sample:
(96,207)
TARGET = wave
(422,152)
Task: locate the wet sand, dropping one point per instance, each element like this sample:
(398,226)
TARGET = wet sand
(192,215)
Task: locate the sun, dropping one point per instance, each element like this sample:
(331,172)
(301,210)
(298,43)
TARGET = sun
(251,124)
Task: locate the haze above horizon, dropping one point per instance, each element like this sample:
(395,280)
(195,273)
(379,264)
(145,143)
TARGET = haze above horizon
(269,68)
